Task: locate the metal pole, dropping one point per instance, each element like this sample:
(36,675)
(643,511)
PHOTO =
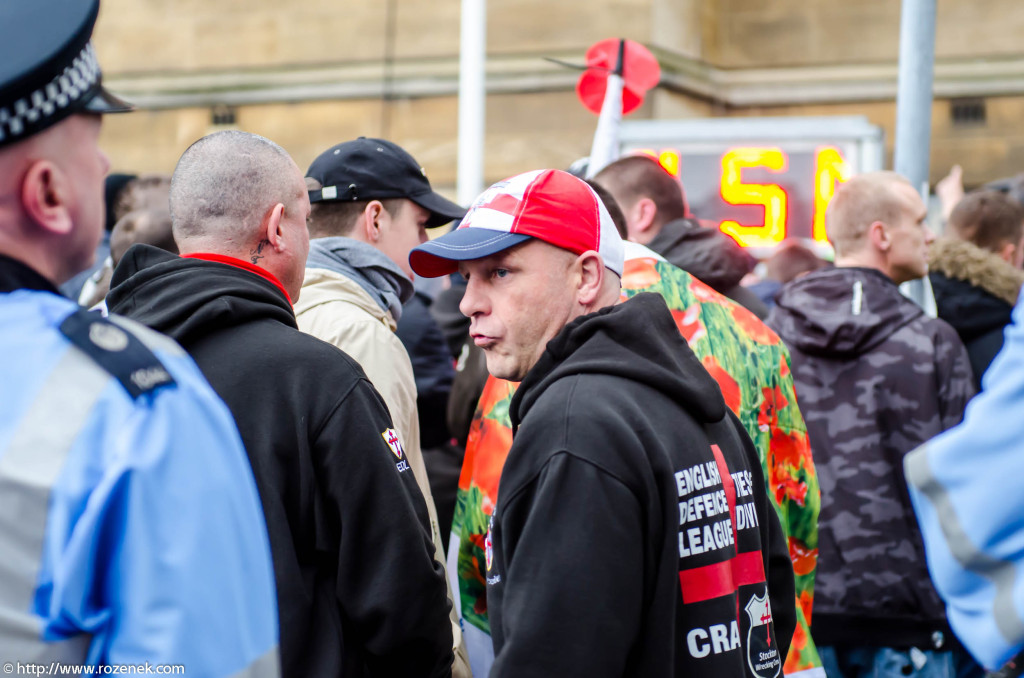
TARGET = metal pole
(914,93)
(472,99)
(914,112)
(387,97)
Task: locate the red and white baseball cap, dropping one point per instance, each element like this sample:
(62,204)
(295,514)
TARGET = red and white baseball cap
(549,205)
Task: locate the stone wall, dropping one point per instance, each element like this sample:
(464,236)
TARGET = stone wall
(313,73)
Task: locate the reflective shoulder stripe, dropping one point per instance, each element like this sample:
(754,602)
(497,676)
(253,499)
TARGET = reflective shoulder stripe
(267,666)
(28,470)
(1001,573)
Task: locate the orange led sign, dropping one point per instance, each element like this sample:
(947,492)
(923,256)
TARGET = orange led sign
(770,196)
(761,195)
(829,168)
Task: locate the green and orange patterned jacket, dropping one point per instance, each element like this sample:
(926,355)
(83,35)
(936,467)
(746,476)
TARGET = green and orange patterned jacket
(750,364)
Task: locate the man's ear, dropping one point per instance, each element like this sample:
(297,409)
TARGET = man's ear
(646,214)
(591,277)
(1007,252)
(878,236)
(44,197)
(273,228)
(369,221)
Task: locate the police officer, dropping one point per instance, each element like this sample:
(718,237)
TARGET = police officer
(130,525)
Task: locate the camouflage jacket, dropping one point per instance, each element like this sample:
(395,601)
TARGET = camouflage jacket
(876,377)
(750,364)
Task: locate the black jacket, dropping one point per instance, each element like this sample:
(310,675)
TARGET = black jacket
(710,256)
(613,545)
(359,593)
(975,291)
(875,378)
(431,366)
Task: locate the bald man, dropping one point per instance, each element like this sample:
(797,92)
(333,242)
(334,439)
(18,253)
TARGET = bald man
(359,591)
(875,378)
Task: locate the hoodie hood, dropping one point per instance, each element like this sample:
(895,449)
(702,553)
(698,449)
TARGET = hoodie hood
(365,265)
(705,253)
(840,312)
(163,291)
(966,261)
(638,340)
(975,290)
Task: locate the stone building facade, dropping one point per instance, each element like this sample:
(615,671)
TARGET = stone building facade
(309,74)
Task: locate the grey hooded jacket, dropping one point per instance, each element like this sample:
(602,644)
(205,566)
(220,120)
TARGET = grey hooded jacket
(875,378)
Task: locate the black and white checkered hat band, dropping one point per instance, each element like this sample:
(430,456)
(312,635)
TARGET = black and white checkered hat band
(29,114)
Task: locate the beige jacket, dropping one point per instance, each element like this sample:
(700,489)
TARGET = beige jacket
(337,310)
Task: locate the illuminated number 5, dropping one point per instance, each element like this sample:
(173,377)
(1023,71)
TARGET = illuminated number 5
(772,197)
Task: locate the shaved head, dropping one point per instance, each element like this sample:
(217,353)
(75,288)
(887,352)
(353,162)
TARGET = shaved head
(223,186)
(861,201)
(877,220)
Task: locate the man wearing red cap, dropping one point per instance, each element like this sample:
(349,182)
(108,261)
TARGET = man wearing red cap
(632,534)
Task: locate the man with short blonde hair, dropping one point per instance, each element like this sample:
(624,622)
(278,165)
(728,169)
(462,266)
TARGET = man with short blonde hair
(875,378)
(877,220)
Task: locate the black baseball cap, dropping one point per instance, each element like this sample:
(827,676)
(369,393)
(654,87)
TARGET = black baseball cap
(375,169)
(48,67)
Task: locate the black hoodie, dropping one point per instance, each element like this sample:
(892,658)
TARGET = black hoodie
(875,378)
(613,545)
(359,593)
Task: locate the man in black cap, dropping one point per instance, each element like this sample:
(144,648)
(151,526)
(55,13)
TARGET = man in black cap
(371,204)
(114,452)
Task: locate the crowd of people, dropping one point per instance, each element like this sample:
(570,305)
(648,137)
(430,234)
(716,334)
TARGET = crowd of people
(276,445)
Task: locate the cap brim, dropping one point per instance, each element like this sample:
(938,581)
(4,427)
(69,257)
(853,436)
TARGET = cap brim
(441,256)
(442,210)
(105,102)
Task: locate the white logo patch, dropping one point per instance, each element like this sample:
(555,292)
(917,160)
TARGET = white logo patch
(108,337)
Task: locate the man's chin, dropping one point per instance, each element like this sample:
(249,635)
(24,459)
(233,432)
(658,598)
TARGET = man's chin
(500,369)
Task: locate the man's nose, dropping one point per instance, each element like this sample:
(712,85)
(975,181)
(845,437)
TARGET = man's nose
(472,302)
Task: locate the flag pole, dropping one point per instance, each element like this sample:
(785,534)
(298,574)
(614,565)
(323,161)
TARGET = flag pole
(605,148)
(472,99)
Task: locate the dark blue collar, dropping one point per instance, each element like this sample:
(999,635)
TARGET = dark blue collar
(15,275)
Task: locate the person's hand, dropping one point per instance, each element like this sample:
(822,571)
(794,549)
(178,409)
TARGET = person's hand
(950,190)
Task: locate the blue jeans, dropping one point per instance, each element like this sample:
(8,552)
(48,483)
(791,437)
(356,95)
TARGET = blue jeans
(885,662)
